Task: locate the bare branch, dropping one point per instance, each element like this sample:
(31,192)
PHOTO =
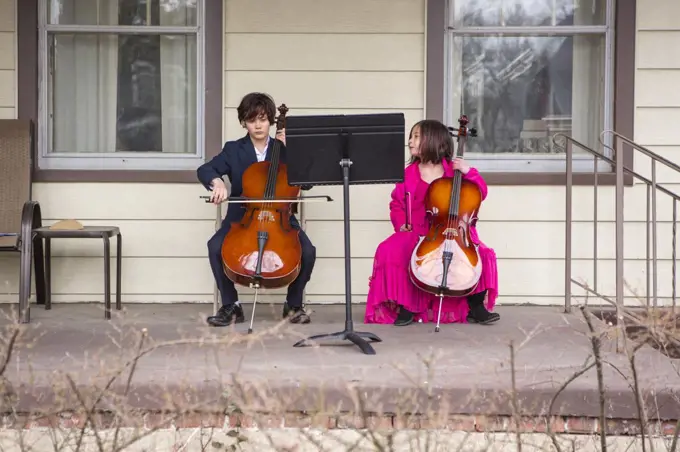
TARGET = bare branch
(595,343)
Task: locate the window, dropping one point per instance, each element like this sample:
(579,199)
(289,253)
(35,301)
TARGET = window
(525,70)
(120,84)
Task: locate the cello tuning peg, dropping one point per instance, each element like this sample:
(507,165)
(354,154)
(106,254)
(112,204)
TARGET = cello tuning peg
(452,131)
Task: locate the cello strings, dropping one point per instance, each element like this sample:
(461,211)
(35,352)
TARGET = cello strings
(452,213)
(454,203)
(270,186)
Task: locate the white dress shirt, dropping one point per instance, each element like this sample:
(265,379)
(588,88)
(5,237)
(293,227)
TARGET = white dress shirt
(262,155)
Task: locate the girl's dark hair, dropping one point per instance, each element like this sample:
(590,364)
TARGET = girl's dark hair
(256,104)
(436,143)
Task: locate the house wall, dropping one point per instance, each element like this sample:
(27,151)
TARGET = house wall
(657,113)
(351,56)
(7,59)
(325,58)
(354,57)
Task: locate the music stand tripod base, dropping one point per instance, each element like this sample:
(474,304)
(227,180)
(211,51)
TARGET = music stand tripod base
(356,337)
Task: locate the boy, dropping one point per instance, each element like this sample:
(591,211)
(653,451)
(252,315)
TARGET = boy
(256,114)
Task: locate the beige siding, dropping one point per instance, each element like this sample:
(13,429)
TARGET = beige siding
(7,59)
(9,276)
(165,228)
(316,18)
(331,58)
(656,117)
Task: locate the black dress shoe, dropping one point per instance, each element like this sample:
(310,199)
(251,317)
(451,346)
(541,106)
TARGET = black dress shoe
(405,317)
(479,314)
(296,314)
(227,315)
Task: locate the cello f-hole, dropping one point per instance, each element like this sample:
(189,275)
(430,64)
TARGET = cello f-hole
(461,231)
(282,223)
(250,218)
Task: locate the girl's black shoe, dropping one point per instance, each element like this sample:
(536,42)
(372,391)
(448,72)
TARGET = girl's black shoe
(404,318)
(478,313)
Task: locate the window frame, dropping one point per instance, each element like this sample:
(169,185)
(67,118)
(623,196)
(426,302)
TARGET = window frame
(49,159)
(209,102)
(619,100)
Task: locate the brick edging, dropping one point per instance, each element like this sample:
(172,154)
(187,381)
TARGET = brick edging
(466,423)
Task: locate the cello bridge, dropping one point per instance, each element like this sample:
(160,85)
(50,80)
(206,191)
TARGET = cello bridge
(265,215)
(450,232)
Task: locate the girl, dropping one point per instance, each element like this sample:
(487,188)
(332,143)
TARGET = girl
(392,297)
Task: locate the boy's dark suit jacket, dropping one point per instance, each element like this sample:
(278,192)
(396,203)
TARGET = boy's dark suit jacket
(235,158)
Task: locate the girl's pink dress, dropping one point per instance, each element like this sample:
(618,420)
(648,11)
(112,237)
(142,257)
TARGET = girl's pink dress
(390,280)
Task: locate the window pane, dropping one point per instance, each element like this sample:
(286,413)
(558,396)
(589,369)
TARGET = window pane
(125,93)
(122,12)
(516,13)
(519,91)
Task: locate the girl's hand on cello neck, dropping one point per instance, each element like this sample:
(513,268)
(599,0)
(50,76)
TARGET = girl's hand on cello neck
(461,165)
(405,228)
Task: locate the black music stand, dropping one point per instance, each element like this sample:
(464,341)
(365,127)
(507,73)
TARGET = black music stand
(321,150)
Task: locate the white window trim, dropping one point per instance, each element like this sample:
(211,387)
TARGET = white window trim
(119,160)
(522,163)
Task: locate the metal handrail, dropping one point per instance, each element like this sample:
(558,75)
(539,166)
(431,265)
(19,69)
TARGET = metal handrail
(651,192)
(612,162)
(652,188)
(644,150)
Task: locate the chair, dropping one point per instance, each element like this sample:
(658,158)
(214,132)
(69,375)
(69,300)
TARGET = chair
(19,214)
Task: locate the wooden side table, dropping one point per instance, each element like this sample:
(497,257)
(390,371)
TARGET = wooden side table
(89,232)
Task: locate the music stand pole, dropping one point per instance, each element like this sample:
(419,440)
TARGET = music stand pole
(356,337)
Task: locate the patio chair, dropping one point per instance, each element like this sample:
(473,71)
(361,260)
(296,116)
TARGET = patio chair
(19,214)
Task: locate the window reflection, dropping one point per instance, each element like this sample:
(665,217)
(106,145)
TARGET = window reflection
(517,13)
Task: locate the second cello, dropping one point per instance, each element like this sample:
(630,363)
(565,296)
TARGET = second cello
(446,262)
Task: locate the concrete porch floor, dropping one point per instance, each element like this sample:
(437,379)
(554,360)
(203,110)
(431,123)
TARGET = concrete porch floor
(470,370)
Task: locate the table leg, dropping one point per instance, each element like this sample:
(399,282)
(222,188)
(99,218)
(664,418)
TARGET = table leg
(119,269)
(107,277)
(39,263)
(48,274)
(25,278)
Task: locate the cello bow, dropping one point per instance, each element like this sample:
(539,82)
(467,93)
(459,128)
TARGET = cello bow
(302,199)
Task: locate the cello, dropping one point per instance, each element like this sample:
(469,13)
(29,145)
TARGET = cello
(263,250)
(446,262)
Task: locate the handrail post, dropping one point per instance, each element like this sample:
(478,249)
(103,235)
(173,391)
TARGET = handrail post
(595,210)
(655,279)
(648,233)
(568,226)
(674,243)
(619,236)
